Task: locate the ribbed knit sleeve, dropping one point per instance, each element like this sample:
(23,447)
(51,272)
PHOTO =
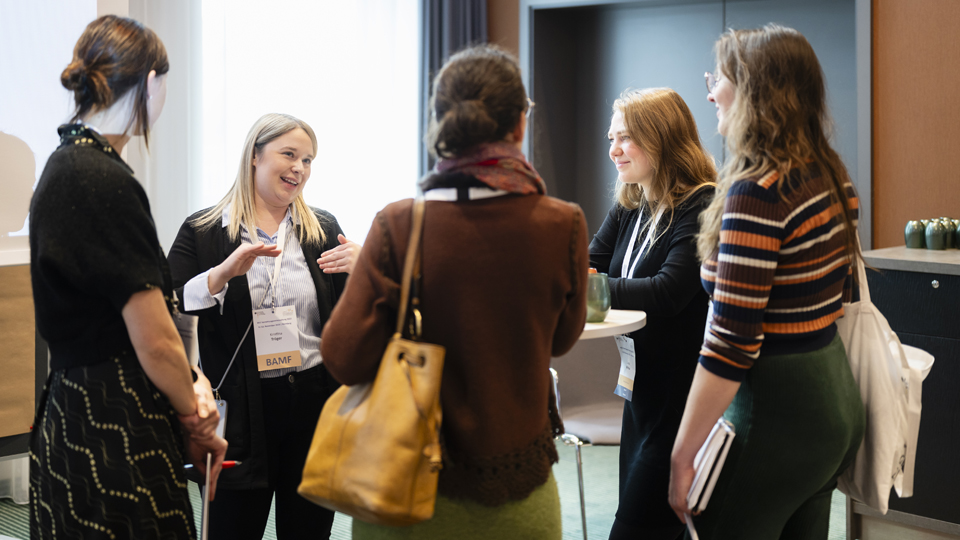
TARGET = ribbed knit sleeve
(743,274)
(781,272)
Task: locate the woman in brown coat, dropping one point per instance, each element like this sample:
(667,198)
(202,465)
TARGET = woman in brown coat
(503,290)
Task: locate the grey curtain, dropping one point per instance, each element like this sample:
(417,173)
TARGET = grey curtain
(447,26)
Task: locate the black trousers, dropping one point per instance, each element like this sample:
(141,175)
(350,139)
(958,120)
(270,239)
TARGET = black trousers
(644,513)
(292,406)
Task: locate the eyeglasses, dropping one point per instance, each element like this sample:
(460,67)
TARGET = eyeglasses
(530,106)
(712,81)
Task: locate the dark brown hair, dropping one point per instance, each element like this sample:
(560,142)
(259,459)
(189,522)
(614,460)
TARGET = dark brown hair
(778,120)
(114,56)
(477,98)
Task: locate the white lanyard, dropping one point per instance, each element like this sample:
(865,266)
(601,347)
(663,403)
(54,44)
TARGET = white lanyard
(627,270)
(281,238)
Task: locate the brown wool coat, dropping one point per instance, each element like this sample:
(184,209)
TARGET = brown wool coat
(504,290)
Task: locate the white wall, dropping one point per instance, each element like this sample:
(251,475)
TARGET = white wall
(171,169)
(36,44)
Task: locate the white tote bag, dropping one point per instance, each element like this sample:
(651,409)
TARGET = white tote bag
(890,386)
(920,363)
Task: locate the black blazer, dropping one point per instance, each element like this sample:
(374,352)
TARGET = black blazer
(195,251)
(666,285)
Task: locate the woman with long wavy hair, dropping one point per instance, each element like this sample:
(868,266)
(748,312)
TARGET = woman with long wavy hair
(647,247)
(776,245)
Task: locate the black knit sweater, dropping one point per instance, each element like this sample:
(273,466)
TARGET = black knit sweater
(666,285)
(93,244)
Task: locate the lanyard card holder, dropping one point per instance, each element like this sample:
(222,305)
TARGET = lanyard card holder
(220,402)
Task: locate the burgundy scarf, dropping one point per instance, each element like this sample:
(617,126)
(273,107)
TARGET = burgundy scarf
(499,165)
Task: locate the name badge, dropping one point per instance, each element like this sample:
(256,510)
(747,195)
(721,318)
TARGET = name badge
(222,409)
(277,337)
(628,367)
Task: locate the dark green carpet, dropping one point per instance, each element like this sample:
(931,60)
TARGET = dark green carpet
(600,486)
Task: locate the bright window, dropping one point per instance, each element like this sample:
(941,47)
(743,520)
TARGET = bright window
(347,68)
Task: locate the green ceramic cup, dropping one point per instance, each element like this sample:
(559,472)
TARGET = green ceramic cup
(935,235)
(598,297)
(913,235)
(950,236)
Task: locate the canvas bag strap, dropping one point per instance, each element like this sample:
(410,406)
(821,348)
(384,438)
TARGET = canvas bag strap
(412,259)
(861,273)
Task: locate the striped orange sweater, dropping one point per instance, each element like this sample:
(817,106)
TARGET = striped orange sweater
(781,273)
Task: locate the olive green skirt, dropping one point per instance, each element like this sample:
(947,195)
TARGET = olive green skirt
(536,518)
(799,422)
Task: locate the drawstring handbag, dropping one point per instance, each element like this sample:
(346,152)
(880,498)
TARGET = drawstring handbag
(375,454)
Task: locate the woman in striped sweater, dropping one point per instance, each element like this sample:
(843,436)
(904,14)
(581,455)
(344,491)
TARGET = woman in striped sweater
(776,246)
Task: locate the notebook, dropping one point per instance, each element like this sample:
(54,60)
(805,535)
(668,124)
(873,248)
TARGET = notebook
(708,464)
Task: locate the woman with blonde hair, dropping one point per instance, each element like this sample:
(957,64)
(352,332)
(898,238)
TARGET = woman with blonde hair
(647,247)
(776,246)
(262,253)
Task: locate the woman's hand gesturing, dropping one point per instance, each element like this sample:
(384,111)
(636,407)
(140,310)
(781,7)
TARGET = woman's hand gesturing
(237,264)
(341,258)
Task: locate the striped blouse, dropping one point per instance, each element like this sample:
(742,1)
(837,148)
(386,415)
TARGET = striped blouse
(295,285)
(781,273)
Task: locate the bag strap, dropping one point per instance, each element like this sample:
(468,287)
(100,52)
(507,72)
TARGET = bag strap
(861,274)
(411,264)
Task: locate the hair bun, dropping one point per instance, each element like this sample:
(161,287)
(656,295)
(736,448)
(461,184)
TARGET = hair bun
(469,107)
(74,77)
(478,98)
(466,124)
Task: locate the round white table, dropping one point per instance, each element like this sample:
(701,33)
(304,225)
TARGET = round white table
(618,321)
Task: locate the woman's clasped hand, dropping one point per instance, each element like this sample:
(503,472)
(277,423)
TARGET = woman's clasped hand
(200,433)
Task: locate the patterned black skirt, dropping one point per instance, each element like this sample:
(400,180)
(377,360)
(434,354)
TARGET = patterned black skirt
(106,458)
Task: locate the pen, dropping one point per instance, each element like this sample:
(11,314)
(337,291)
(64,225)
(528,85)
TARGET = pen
(226,465)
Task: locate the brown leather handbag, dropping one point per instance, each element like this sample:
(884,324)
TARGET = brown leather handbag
(375,454)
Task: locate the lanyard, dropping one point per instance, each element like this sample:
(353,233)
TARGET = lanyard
(281,238)
(627,270)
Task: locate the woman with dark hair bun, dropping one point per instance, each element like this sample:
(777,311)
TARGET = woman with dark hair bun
(504,271)
(121,411)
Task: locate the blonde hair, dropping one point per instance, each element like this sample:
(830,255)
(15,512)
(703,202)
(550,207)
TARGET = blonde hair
(240,199)
(778,120)
(660,122)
